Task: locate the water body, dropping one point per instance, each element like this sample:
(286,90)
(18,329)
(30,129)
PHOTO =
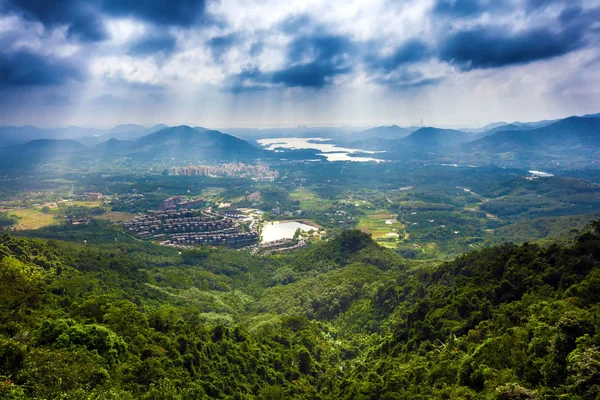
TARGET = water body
(331,151)
(541,174)
(282,230)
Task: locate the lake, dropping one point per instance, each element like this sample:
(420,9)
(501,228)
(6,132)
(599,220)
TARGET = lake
(282,230)
(331,151)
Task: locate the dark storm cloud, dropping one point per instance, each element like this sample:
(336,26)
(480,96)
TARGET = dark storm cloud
(80,17)
(183,13)
(28,69)
(486,47)
(155,43)
(83,18)
(250,79)
(411,51)
(467,8)
(323,47)
(494,46)
(534,5)
(314,75)
(314,61)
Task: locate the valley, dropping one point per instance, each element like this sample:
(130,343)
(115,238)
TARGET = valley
(299,200)
(288,270)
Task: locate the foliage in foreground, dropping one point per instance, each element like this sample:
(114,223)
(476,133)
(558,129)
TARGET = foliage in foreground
(343,319)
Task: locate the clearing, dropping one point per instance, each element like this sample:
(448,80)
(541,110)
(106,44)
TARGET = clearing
(115,216)
(383,226)
(309,201)
(33,218)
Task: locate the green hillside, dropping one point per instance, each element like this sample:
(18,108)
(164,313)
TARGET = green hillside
(344,318)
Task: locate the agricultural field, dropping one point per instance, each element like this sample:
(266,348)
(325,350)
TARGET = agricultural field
(83,203)
(383,227)
(213,193)
(33,218)
(116,216)
(309,201)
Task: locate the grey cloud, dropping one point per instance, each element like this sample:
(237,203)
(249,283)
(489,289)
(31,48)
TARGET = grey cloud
(80,17)
(29,69)
(314,60)
(154,43)
(468,8)
(219,45)
(409,52)
(491,47)
(84,18)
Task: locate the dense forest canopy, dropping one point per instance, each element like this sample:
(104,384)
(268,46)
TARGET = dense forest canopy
(343,318)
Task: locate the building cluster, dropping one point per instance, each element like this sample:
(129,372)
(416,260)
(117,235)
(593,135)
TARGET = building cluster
(187,228)
(259,172)
(278,246)
(179,202)
(227,237)
(93,196)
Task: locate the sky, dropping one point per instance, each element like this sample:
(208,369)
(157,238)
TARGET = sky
(269,63)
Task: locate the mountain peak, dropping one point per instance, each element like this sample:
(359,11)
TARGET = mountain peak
(127,128)
(435,137)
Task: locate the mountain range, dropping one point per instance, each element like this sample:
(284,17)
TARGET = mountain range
(15,135)
(181,143)
(573,139)
(570,135)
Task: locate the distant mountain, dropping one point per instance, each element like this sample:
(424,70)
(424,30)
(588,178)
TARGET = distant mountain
(41,151)
(504,128)
(156,128)
(592,115)
(114,147)
(385,132)
(488,127)
(134,128)
(377,138)
(537,124)
(497,126)
(12,135)
(494,125)
(423,144)
(433,138)
(372,144)
(572,135)
(60,146)
(303,132)
(182,143)
(15,135)
(128,128)
(120,132)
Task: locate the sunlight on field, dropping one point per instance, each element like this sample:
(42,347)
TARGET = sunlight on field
(301,194)
(116,216)
(33,218)
(84,203)
(212,193)
(309,201)
(383,227)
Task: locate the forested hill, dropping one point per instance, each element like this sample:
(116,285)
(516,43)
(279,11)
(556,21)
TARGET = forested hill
(342,319)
